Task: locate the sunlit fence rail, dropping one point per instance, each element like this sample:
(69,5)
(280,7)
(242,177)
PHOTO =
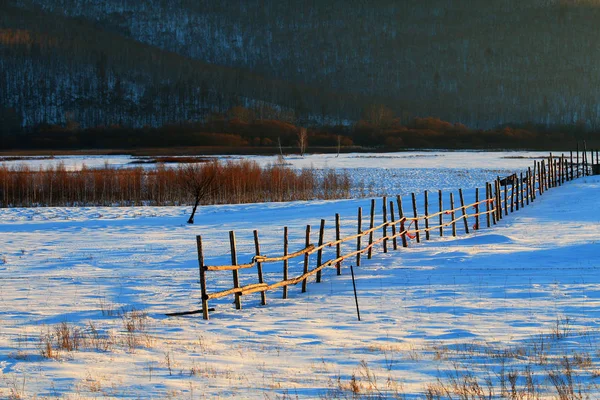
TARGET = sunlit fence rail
(396,230)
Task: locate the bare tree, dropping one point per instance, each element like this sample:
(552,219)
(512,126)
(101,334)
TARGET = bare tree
(198,180)
(339,145)
(302,140)
(280,149)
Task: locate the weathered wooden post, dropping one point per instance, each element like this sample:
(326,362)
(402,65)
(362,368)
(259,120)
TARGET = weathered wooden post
(371,226)
(494,204)
(540,178)
(542,174)
(441,202)
(393,220)
(512,195)
(385,220)
(453,214)
(320,251)
(531,184)
(554,172)
(338,237)
(506,198)
(263,294)
(285,261)
(551,171)
(236,276)
(498,200)
(522,191)
(563,164)
(476,209)
(577,159)
(203,291)
(306,259)
(518,192)
(571,166)
(487,203)
(464,211)
(358,241)
(426,215)
(585,159)
(527,185)
(402,225)
(416,215)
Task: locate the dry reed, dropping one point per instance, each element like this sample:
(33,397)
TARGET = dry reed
(235,182)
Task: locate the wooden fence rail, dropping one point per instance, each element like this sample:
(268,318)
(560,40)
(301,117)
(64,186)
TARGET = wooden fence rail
(502,197)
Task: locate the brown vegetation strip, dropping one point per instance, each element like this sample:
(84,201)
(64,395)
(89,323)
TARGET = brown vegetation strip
(234,182)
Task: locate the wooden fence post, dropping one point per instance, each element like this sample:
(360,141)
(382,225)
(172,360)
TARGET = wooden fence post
(547,172)
(512,196)
(562,169)
(554,172)
(203,290)
(393,220)
(416,215)
(306,259)
(493,202)
(487,203)
(464,211)
(476,209)
(498,200)
(402,225)
(527,187)
(532,178)
(338,236)
(571,166)
(441,202)
(426,215)
(586,172)
(359,231)
(577,159)
(549,183)
(385,220)
(517,186)
(542,176)
(521,191)
(453,214)
(285,262)
(263,294)
(320,252)
(529,196)
(506,198)
(371,226)
(236,276)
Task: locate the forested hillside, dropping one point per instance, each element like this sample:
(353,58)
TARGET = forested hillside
(153,62)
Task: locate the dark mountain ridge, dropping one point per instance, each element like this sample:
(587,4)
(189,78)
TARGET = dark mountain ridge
(135,63)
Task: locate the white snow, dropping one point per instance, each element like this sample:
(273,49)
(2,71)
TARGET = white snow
(371,173)
(469,304)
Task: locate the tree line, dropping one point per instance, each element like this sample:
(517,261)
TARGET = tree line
(242,130)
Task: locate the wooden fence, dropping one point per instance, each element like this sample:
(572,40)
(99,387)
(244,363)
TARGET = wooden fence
(501,197)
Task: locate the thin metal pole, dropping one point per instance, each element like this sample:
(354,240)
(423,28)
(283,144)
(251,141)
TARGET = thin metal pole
(355,295)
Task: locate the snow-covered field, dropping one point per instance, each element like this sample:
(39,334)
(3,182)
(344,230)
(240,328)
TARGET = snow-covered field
(502,305)
(371,173)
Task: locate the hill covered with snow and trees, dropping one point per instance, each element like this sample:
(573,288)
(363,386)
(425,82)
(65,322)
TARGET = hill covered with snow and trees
(79,64)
